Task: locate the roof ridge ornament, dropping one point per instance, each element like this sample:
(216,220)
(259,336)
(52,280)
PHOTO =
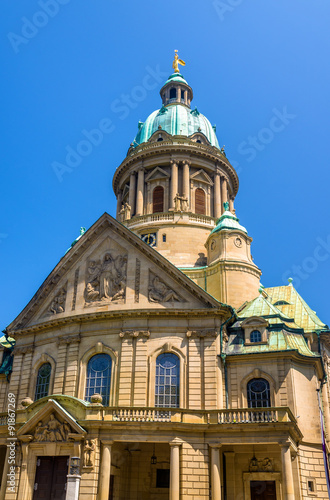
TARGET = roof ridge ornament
(176,62)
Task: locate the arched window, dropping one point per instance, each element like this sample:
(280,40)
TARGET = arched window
(173,94)
(167,388)
(258,393)
(43,379)
(200,201)
(158,199)
(255,336)
(182,95)
(98,377)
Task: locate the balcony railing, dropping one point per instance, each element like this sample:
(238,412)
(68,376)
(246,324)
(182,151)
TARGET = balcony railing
(241,416)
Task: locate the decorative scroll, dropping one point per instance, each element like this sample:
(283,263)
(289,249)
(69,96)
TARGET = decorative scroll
(134,333)
(137,280)
(160,292)
(106,280)
(75,286)
(52,430)
(264,465)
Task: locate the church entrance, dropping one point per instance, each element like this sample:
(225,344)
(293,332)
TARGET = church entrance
(51,478)
(263,490)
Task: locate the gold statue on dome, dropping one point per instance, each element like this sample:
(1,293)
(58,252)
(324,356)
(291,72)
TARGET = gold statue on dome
(176,62)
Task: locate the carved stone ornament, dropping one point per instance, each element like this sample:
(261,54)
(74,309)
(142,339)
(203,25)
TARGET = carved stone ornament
(134,333)
(210,332)
(238,242)
(106,279)
(89,453)
(160,292)
(263,465)
(52,430)
(58,304)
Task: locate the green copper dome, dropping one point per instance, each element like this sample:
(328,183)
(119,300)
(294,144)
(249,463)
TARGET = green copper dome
(228,221)
(176,119)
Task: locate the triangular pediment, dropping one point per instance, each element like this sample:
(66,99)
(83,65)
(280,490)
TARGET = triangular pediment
(156,174)
(52,423)
(109,270)
(201,176)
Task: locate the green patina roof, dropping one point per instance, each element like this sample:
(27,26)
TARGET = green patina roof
(296,308)
(176,119)
(175,77)
(7,342)
(262,307)
(228,221)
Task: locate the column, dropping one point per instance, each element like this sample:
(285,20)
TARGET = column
(105,469)
(139,194)
(325,400)
(4,476)
(131,194)
(288,486)
(217,195)
(175,471)
(224,193)
(215,472)
(119,200)
(231,205)
(186,180)
(230,474)
(174,182)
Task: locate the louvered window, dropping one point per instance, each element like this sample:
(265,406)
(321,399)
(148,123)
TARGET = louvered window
(158,200)
(200,201)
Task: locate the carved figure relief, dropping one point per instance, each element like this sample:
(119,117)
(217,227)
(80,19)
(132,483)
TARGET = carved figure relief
(52,430)
(106,280)
(264,465)
(58,303)
(89,450)
(160,292)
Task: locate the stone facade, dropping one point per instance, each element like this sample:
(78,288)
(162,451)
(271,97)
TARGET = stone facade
(167,411)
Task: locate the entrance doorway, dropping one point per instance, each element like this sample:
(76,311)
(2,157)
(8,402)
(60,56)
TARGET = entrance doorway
(263,490)
(51,477)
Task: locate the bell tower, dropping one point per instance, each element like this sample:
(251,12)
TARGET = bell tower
(172,184)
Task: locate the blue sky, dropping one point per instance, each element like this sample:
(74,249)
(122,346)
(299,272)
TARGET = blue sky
(259,71)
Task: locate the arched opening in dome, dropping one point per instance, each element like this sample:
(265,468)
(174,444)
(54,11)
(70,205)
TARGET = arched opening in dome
(158,200)
(200,201)
(183,96)
(173,94)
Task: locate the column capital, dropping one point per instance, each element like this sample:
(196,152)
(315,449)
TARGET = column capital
(174,162)
(176,442)
(218,171)
(106,442)
(141,169)
(215,446)
(186,162)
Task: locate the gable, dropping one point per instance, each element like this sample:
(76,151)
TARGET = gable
(156,174)
(111,269)
(201,176)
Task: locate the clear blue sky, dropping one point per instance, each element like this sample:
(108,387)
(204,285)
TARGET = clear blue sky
(69,64)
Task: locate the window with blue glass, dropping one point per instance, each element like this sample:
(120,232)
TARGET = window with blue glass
(167,388)
(258,393)
(99,377)
(43,380)
(255,336)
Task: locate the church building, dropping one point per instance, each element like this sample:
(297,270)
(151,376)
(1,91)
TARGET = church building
(151,364)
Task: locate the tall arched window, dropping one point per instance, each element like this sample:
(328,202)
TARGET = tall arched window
(200,201)
(158,199)
(98,377)
(167,389)
(258,393)
(43,379)
(173,94)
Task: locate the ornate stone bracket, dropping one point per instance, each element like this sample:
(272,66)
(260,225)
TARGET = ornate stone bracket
(134,333)
(68,339)
(208,332)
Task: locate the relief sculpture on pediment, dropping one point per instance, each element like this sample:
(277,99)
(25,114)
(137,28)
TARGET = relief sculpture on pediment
(106,279)
(53,430)
(160,292)
(58,304)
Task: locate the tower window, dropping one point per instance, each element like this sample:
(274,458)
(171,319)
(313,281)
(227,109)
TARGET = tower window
(173,94)
(98,377)
(182,95)
(43,380)
(200,201)
(158,199)
(255,336)
(164,238)
(258,393)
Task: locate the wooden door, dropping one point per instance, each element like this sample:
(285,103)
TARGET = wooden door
(263,490)
(51,478)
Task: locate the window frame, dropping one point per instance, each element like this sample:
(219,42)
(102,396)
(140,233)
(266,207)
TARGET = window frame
(96,388)
(267,390)
(37,381)
(170,375)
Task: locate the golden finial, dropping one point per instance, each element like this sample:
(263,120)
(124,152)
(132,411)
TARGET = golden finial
(176,62)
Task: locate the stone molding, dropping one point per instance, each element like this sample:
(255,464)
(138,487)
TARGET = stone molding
(134,334)
(208,332)
(68,339)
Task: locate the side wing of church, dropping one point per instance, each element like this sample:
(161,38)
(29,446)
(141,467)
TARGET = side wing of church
(151,363)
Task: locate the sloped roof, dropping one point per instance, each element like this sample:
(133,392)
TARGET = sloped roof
(296,308)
